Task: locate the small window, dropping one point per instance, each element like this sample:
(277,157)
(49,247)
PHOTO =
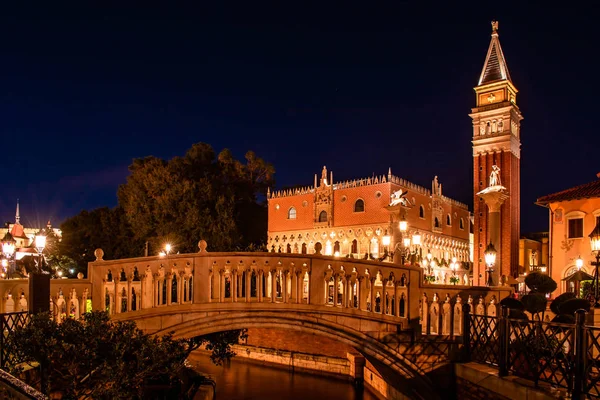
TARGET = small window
(359,206)
(323,216)
(292,213)
(575,228)
(462,224)
(421,212)
(436,222)
(448,220)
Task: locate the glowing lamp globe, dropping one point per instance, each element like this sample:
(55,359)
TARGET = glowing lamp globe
(579,262)
(40,243)
(416,239)
(168,247)
(403,225)
(406,242)
(386,239)
(490,255)
(595,239)
(8,248)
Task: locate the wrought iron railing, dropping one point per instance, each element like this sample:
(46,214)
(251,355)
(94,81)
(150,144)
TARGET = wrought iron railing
(8,323)
(566,356)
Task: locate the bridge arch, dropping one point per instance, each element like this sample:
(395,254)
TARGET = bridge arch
(411,377)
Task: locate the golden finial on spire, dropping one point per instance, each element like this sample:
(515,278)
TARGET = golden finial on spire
(494,26)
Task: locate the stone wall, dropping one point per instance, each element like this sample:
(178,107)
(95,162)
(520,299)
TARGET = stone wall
(296,341)
(295,361)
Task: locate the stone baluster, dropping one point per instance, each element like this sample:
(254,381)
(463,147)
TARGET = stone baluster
(372,294)
(248,284)
(299,286)
(156,290)
(221,285)
(169,287)
(336,282)
(310,290)
(348,292)
(397,294)
(234,285)
(259,285)
(273,286)
(129,296)
(180,283)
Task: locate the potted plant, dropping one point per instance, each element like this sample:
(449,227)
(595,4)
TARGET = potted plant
(454,279)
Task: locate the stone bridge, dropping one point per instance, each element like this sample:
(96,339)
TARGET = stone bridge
(365,304)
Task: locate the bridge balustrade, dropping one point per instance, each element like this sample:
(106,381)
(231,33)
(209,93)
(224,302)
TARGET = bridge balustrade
(202,278)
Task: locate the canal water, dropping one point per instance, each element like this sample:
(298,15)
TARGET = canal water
(241,380)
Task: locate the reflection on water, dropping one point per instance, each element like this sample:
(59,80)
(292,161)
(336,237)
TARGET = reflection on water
(244,381)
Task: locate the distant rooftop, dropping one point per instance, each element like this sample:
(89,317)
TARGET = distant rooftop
(585,191)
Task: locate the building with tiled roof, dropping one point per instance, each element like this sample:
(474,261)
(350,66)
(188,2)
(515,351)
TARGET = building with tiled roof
(574,213)
(24,236)
(351,218)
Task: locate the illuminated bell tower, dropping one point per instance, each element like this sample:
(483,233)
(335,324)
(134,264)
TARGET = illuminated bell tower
(496,141)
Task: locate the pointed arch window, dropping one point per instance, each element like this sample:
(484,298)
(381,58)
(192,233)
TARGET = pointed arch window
(354,247)
(462,224)
(292,213)
(421,211)
(448,220)
(359,205)
(323,216)
(436,222)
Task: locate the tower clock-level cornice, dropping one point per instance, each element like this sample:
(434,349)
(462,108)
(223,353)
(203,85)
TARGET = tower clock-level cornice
(493,144)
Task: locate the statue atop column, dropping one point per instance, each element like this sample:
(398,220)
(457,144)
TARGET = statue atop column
(495,176)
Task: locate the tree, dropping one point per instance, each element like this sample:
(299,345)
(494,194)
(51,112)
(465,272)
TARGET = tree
(198,196)
(99,358)
(100,228)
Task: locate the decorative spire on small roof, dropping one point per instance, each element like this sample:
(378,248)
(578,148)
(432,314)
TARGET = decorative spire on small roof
(17,215)
(494,68)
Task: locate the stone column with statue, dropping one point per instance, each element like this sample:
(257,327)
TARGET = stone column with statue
(494,196)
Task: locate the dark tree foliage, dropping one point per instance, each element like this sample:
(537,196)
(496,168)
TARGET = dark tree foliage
(512,304)
(198,196)
(99,358)
(534,303)
(540,283)
(560,300)
(100,228)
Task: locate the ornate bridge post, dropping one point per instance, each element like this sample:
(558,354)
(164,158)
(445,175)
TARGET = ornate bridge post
(466,331)
(579,356)
(504,341)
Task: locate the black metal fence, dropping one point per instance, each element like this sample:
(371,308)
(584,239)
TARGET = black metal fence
(8,322)
(565,356)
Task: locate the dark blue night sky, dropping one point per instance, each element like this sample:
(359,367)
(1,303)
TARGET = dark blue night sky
(87,88)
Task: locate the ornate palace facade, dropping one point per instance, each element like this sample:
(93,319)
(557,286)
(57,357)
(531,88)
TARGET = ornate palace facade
(361,219)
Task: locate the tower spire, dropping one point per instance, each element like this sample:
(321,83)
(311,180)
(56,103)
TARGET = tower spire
(494,68)
(17,215)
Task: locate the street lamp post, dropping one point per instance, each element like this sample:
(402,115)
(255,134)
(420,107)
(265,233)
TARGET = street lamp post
(490,260)
(386,239)
(8,248)
(39,282)
(595,245)
(399,251)
(40,244)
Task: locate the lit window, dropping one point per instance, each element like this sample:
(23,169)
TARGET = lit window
(359,206)
(575,228)
(292,213)
(323,216)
